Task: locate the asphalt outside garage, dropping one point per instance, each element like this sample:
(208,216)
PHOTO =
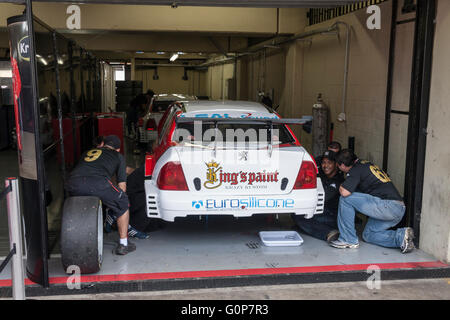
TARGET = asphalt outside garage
(417,289)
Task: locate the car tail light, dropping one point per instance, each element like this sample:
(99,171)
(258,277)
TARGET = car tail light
(307,176)
(171,177)
(149,164)
(151,125)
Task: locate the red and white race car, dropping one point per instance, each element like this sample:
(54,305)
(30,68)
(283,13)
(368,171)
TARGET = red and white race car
(148,124)
(229,158)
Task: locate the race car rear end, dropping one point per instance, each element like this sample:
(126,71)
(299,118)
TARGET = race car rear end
(234,165)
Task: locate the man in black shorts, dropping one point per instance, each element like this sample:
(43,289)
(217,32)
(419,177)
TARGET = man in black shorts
(92,177)
(369,190)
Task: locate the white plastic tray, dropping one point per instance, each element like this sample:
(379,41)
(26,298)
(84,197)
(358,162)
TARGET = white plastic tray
(280,238)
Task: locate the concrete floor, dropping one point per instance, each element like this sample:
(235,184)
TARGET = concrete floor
(433,289)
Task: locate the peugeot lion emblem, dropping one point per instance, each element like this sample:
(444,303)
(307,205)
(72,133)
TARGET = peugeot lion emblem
(243,155)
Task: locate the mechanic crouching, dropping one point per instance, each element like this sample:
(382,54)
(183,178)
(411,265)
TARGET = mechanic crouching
(324,226)
(92,177)
(369,190)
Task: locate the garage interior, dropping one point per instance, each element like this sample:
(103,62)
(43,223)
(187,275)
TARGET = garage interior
(375,80)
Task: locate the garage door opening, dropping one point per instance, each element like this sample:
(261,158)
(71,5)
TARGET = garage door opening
(288,59)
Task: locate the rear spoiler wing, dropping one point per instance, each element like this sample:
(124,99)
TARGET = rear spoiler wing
(270,121)
(300,121)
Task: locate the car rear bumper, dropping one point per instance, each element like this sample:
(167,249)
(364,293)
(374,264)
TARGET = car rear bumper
(168,205)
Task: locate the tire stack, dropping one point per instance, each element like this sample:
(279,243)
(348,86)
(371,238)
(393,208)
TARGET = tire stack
(125,92)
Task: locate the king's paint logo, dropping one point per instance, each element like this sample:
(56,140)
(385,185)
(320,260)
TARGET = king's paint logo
(24,48)
(211,175)
(215,176)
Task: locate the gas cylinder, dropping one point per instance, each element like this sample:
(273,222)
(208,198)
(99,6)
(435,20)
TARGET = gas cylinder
(319,127)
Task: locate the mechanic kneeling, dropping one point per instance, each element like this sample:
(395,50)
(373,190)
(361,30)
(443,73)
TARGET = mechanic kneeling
(92,177)
(324,226)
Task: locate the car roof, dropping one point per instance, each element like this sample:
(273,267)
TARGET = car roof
(198,106)
(174,97)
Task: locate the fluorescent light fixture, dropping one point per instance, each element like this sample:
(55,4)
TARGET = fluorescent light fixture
(140,52)
(160,52)
(41,59)
(174,57)
(6,73)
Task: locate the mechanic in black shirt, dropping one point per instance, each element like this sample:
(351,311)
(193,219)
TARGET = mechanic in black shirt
(92,177)
(369,190)
(324,226)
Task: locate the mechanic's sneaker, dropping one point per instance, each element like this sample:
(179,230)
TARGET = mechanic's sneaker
(109,222)
(132,232)
(343,245)
(333,235)
(408,244)
(123,250)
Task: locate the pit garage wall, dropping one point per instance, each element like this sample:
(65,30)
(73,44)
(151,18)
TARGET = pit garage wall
(298,71)
(435,218)
(170,81)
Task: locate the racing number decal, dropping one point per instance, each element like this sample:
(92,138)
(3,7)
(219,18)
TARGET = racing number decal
(380,174)
(92,155)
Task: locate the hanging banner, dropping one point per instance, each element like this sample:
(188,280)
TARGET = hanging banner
(29,148)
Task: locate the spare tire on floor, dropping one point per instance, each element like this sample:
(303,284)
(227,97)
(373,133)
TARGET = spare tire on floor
(82,234)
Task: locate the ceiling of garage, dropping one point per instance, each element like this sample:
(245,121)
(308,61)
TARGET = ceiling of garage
(200,29)
(221,3)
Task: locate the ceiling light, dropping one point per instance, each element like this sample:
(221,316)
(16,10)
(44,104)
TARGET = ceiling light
(6,73)
(174,57)
(160,52)
(140,52)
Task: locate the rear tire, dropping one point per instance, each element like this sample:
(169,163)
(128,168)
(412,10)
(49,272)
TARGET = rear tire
(82,234)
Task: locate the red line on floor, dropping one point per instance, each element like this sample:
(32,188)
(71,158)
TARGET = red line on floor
(237,272)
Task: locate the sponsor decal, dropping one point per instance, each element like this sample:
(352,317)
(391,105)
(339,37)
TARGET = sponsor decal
(247,115)
(17,88)
(23,48)
(243,203)
(215,176)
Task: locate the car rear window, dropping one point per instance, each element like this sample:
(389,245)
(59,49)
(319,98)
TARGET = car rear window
(161,106)
(234,132)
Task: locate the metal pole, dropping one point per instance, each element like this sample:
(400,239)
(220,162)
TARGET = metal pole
(58,97)
(15,239)
(73,104)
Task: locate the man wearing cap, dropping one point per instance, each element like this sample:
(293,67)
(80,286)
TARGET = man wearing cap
(92,177)
(369,190)
(324,226)
(332,146)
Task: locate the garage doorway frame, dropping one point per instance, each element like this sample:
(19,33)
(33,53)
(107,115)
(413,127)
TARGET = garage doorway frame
(419,106)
